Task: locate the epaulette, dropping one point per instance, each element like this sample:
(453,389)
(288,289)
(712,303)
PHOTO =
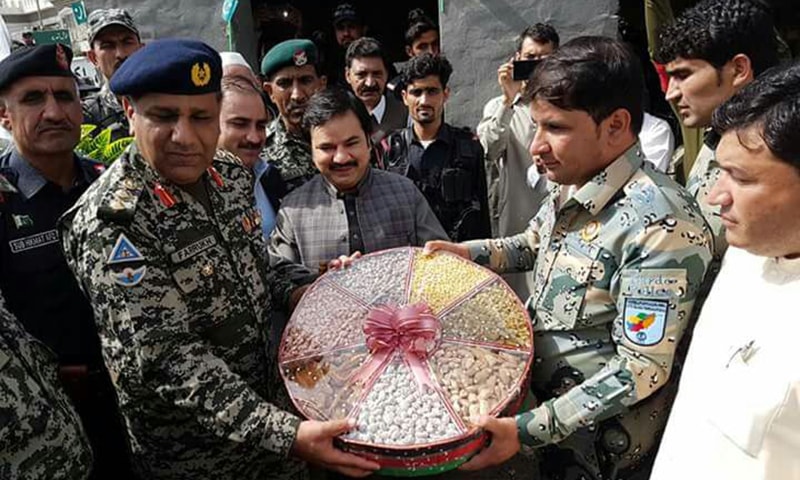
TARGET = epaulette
(118,204)
(224,156)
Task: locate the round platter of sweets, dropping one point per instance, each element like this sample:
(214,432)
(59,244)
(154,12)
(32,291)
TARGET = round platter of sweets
(412,346)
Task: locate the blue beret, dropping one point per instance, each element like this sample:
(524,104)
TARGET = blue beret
(39,61)
(171,66)
(297,52)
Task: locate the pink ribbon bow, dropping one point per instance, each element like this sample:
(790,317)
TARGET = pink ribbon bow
(412,330)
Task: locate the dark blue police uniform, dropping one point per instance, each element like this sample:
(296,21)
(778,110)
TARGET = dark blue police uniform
(35,280)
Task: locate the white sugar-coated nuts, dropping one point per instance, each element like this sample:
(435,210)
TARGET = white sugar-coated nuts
(396,412)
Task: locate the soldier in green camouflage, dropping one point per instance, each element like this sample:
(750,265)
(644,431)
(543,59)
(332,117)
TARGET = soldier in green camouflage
(292,76)
(168,246)
(618,253)
(705,69)
(40,433)
(113,37)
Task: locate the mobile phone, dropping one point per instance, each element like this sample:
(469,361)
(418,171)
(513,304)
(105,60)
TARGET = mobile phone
(524,68)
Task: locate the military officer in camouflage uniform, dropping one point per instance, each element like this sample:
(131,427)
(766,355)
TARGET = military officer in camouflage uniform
(705,69)
(291,73)
(618,253)
(113,37)
(40,434)
(168,246)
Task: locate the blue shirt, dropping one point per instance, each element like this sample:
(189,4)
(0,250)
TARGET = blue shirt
(262,202)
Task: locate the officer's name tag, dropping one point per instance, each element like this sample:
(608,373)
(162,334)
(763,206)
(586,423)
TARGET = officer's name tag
(193,249)
(34,241)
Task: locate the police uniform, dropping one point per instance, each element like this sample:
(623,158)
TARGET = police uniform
(103,109)
(40,434)
(184,297)
(617,265)
(289,152)
(450,173)
(37,283)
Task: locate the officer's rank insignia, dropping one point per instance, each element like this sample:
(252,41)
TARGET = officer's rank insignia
(300,58)
(129,277)
(247,224)
(201,74)
(590,230)
(124,252)
(645,320)
(22,221)
(164,196)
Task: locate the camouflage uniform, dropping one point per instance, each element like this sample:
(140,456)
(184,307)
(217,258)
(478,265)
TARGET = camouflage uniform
(40,434)
(704,175)
(104,111)
(290,153)
(616,266)
(184,298)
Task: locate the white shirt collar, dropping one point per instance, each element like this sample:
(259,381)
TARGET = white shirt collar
(379,109)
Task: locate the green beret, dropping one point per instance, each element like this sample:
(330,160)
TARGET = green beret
(297,52)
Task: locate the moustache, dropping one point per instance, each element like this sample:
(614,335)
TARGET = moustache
(296,107)
(49,125)
(250,146)
(342,166)
(370,89)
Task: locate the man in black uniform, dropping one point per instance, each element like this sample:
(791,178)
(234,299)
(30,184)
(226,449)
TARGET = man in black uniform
(445,162)
(40,178)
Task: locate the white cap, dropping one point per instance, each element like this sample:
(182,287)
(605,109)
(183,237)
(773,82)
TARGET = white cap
(234,58)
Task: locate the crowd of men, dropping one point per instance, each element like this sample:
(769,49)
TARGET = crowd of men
(141,302)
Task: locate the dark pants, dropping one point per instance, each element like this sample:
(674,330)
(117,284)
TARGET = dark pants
(95,400)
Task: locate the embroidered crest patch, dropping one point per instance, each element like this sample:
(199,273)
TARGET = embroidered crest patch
(124,252)
(645,320)
(129,277)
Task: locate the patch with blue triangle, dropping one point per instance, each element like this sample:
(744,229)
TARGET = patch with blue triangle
(124,252)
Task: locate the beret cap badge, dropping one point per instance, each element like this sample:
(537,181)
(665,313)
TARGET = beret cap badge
(300,58)
(201,74)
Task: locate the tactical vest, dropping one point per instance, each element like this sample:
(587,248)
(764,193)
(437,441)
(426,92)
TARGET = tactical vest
(449,189)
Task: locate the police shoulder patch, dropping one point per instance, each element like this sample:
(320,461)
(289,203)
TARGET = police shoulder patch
(124,252)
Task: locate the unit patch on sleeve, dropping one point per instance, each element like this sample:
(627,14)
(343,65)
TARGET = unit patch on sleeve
(124,252)
(645,320)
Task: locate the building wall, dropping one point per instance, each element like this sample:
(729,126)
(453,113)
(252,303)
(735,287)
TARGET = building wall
(479,35)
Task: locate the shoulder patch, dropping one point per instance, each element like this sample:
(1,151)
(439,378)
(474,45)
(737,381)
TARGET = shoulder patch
(645,320)
(129,277)
(124,252)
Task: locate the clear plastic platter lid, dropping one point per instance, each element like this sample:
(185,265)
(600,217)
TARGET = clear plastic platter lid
(410,345)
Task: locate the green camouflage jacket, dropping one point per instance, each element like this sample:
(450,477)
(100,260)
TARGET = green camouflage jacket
(290,153)
(183,301)
(616,266)
(40,433)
